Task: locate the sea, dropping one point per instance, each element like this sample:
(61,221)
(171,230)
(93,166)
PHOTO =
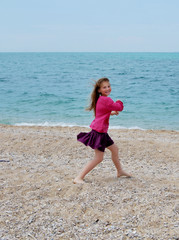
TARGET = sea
(53,89)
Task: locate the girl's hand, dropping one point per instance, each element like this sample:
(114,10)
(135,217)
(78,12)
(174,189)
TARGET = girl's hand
(114,113)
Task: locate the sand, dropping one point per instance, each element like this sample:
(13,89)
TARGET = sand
(39,201)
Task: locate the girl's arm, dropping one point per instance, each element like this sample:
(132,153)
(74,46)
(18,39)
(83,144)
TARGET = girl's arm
(114,106)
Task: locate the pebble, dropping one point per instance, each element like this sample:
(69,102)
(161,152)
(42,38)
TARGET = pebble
(39,201)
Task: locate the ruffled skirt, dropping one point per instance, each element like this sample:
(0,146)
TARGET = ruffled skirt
(95,140)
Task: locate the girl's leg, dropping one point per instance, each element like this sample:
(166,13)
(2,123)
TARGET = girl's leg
(90,165)
(115,158)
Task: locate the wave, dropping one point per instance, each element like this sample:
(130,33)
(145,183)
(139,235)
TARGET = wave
(62,124)
(131,128)
(49,124)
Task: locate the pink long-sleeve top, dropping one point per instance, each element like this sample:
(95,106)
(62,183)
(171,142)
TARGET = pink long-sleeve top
(104,107)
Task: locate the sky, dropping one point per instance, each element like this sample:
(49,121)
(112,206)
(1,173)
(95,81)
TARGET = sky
(89,26)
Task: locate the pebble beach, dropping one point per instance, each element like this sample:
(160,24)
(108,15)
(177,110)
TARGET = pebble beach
(38,199)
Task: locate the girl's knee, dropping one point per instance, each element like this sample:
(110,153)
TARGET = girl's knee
(98,160)
(99,156)
(114,148)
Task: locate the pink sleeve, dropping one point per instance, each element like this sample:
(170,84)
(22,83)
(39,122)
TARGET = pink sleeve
(114,106)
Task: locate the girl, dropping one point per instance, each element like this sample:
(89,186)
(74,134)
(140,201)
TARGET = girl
(98,139)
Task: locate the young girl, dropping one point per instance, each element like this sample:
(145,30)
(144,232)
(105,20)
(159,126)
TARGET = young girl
(98,138)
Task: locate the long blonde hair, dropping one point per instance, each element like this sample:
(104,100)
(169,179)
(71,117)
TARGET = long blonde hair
(95,94)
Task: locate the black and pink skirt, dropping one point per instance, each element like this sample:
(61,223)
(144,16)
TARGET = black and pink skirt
(95,140)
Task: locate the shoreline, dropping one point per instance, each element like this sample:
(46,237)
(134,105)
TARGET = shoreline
(39,200)
(64,125)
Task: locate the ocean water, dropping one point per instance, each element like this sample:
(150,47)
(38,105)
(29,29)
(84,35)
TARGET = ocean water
(54,88)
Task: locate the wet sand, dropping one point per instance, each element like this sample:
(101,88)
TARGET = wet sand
(39,201)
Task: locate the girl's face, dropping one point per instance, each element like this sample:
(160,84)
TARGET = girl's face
(105,88)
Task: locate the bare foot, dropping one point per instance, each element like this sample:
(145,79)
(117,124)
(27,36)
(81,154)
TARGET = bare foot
(121,173)
(78,180)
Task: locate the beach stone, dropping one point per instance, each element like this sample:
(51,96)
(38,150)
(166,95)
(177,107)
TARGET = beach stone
(39,198)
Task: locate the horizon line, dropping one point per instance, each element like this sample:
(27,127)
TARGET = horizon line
(89,51)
